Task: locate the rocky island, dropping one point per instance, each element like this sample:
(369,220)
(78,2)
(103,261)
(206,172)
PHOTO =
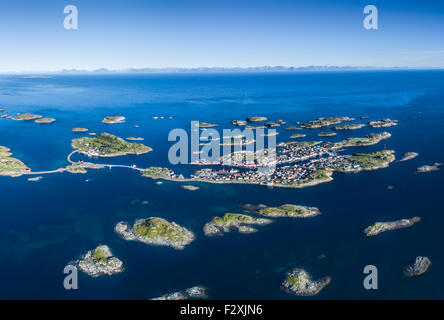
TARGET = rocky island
(289,211)
(26,116)
(100,261)
(257,119)
(418,267)
(79,130)
(365,161)
(326,134)
(238,122)
(156,231)
(45,120)
(299,283)
(206,125)
(427,168)
(197,292)
(383,123)
(190,187)
(325,122)
(297,135)
(353,126)
(113,119)
(380,227)
(241,222)
(107,145)
(408,156)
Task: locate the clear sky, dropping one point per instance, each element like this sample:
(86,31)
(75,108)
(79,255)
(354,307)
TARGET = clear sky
(122,34)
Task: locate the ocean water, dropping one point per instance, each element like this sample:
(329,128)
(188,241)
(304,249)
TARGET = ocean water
(48,223)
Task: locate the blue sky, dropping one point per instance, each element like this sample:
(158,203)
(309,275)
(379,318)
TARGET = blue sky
(231,33)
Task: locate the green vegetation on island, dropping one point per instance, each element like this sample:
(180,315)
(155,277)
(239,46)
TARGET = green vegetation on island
(370,139)
(45,120)
(365,161)
(100,261)
(326,134)
(161,173)
(241,222)
(380,227)
(409,156)
(300,144)
(107,145)
(324,122)
(299,283)
(290,211)
(27,116)
(113,119)
(156,231)
(9,166)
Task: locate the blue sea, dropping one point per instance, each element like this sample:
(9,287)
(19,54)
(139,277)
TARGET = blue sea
(46,224)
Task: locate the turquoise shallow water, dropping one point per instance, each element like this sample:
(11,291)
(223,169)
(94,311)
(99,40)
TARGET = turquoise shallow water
(48,223)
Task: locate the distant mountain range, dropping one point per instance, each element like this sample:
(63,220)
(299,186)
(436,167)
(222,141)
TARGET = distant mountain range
(228,70)
(264,69)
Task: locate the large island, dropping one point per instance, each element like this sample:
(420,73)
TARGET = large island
(107,145)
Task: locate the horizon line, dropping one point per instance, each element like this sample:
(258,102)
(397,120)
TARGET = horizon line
(270,69)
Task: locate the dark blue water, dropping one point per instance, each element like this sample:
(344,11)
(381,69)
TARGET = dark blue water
(48,223)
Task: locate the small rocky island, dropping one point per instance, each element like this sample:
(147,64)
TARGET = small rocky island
(418,267)
(408,156)
(190,187)
(100,261)
(427,168)
(45,120)
(380,227)
(241,222)
(326,134)
(383,123)
(113,119)
(206,125)
(285,210)
(107,145)
(79,129)
(197,292)
(353,126)
(297,135)
(156,231)
(257,119)
(299,283)
(238,122)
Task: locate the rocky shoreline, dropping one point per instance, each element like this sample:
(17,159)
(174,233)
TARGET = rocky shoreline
(418,267)
(299,283)
(100,261)
(380,227)
(197,292)
(233,221)
(156,231)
